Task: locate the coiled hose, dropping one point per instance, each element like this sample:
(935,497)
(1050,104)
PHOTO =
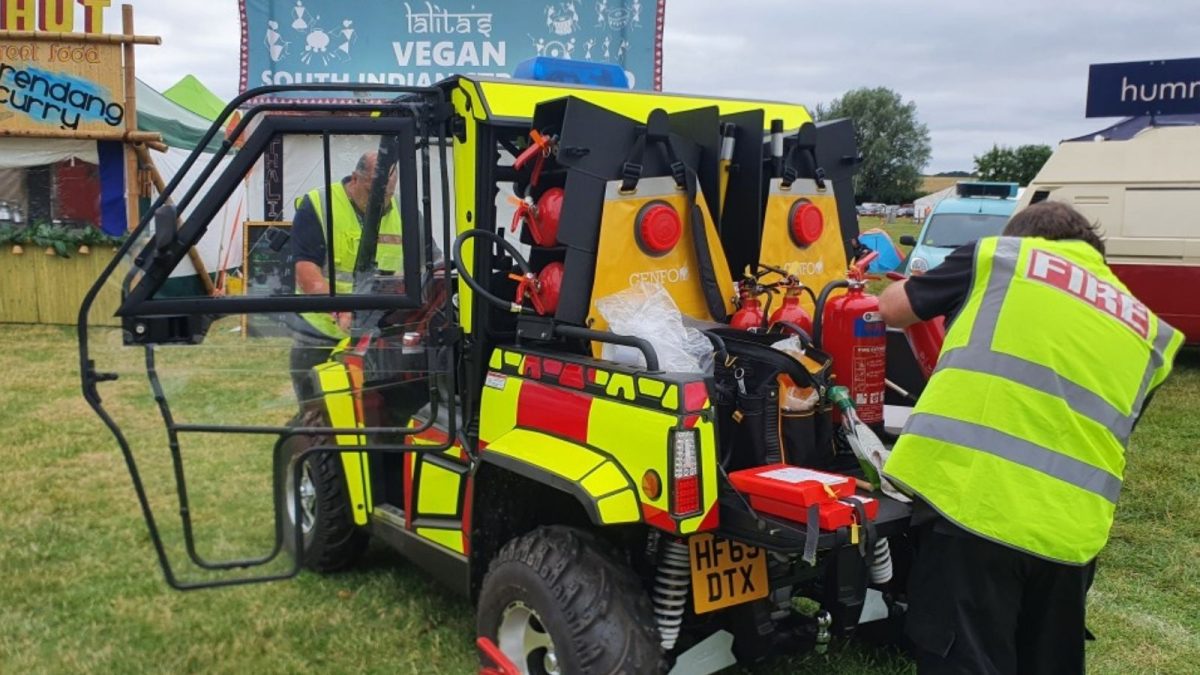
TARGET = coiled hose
(465,275)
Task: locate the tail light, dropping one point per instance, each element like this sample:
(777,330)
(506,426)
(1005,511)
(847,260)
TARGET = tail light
(685,472)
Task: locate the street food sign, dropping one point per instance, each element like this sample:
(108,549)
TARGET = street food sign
(61,86)
(1140,88)
(419,42)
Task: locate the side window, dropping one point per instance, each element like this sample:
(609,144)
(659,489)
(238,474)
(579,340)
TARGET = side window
(271,235)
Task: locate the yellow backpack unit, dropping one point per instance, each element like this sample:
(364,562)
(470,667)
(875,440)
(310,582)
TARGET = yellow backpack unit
(658,230)
(801,227)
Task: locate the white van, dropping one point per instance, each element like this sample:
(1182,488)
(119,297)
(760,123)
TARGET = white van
(1144,193)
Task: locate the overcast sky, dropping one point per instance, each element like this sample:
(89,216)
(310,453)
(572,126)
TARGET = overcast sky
(1009,72)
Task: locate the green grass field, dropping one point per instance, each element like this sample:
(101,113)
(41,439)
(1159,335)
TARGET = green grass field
(81,590)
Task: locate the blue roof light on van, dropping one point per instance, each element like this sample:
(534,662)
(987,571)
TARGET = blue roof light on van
(999,190)
(570,71)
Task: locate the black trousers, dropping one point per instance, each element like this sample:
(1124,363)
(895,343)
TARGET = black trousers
(979,607)
(303,358)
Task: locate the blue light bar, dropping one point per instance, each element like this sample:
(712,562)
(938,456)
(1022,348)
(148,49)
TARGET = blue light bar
(570,71)
(987,189)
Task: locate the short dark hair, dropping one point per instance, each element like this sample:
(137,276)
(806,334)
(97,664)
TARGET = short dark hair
(1054,221)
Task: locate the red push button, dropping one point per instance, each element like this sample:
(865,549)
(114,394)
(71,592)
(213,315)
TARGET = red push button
(807,223)
(659,228)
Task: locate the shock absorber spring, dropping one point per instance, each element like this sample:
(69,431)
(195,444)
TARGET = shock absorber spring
(671,583)
(881,566)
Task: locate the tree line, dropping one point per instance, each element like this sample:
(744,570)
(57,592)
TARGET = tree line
(895,147)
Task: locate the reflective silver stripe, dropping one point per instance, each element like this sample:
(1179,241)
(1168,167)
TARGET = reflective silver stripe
(1018,451)
(1004,268)
(1037,376)
(1157,358)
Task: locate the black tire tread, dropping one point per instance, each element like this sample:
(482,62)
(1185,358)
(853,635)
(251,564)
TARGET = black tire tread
(336,542)
(599,598)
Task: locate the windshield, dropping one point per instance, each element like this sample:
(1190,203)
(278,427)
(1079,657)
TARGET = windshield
(951,230)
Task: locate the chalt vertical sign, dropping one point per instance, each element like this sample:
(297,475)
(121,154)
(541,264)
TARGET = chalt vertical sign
(417,43)
(53,84)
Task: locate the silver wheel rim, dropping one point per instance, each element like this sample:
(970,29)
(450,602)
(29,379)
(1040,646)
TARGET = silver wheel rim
(523,638)
(308,498)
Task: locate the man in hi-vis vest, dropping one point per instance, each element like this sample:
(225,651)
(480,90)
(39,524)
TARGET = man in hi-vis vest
(1015,452)
(320,332)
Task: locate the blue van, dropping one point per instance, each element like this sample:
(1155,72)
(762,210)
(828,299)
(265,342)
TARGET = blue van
(978,209)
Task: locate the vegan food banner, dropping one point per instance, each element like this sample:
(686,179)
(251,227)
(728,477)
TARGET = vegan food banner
(417,43)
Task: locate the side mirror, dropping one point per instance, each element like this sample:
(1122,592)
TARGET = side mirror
(166,224)
(908,240)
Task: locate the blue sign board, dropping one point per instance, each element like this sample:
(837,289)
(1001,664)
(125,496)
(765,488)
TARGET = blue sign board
(1144,88)
(418,42)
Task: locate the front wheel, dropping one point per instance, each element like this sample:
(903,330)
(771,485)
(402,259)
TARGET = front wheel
(555,604)
(330,539)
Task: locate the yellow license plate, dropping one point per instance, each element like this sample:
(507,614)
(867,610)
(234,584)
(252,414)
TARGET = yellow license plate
(725,573)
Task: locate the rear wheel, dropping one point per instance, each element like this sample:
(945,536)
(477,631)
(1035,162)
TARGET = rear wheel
(330,539)
(555,604)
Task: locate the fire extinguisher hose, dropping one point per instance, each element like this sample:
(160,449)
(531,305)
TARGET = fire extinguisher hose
(465,275)
(819,308)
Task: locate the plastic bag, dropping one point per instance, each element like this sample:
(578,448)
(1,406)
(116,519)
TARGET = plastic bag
(647,311)
(792,397)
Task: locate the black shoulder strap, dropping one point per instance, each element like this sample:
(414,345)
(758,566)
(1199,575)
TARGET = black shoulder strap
(804,152)
(713,297)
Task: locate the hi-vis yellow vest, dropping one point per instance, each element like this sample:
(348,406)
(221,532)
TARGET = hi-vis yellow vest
(347,232)
(1020,435)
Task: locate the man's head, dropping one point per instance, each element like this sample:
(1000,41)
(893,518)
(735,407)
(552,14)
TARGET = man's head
(358,188)
(1053,220)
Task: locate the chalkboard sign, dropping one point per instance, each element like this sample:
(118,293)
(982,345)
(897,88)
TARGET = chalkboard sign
(267,270)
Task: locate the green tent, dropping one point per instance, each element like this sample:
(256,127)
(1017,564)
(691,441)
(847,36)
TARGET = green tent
(180,127)
(193,95)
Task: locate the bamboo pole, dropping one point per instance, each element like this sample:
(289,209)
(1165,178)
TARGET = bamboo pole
(159,184)
(150,137)
(131,160)
(40,36)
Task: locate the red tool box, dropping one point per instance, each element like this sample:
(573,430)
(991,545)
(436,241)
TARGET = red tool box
(788,492)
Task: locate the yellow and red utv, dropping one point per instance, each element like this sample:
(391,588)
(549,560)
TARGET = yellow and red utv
(481,416)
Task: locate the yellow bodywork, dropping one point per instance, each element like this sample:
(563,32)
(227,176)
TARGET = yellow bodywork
(629,419)
(501,99)
(339,403)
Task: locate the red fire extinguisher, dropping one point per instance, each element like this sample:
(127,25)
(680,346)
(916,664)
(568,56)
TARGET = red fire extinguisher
(850,329)
(541,217)
(790,312)
(750,315)
(542,289)
(925,338)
